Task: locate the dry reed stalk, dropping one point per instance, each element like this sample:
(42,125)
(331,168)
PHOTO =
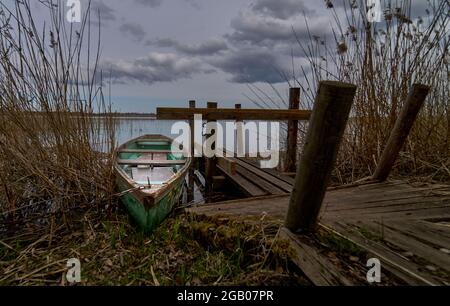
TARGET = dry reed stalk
(383,60)
(55,151)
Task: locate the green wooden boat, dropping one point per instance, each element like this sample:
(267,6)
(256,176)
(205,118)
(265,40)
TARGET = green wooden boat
(150,178)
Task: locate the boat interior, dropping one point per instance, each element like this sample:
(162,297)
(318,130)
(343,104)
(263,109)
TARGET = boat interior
(150,162)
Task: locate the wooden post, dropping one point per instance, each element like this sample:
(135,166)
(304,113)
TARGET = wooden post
(240,136)
(191,183)
(401,130)
(291,152)
(210,164)
(326,128)
(191,124)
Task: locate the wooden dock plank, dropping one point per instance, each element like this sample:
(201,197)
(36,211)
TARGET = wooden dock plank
(174,113)
(407,212)
(264,175)
(408,243)
(143,151)
(422,232)
(245,185)
(261,183)
(317,268)
(410,272)
(273,172)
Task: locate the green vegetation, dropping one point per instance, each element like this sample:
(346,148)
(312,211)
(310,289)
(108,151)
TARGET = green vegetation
(340,245)
(181,252)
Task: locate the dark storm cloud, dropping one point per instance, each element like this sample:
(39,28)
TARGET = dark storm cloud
(251,66)
(133,30)
(150,3)
(208,47)
(281,9)
(153,68)
(258,30)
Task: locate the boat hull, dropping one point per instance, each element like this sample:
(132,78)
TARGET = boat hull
(148,219)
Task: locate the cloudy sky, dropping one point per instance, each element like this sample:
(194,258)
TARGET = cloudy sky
(166,52)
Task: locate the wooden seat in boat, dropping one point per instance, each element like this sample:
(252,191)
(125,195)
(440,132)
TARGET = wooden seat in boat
(154,176)
(150,162)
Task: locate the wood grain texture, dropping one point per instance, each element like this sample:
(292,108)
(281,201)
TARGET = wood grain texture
(326,128)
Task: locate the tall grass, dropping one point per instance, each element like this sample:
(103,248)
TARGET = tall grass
(54,154)
(384,60)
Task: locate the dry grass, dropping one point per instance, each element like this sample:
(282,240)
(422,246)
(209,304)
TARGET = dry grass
(384,60)
(54,154)
(183,251)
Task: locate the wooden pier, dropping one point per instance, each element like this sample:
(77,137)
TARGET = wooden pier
(404,225)
(252,180)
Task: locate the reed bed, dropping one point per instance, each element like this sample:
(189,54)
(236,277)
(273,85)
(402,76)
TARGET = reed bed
(55,154)
(384,60)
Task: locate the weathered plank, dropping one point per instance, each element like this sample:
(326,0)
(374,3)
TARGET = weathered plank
(394,262)
(407,242)
(167,113)
(150,162)
(227,165)
(402,212)
(264,175)
(261,183)
(152,140)
(138,151)
(317,268)
(273,172)
(245,185)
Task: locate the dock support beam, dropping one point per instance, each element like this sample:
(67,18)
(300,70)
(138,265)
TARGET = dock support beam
(240,135)
(401,130)
(191,183)
(291,152)
(210,165)
(326,128)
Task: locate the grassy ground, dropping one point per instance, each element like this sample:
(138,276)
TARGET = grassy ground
(183,251)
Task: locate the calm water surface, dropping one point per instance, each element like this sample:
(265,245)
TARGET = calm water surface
(128,129)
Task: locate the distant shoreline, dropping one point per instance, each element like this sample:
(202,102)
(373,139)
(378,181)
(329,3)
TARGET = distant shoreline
(112,115)
(127,115)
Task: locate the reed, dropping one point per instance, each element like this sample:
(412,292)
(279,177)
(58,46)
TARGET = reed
(55,154)
(384,60)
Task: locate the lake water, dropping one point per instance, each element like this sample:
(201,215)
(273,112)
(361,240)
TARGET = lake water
(135,127)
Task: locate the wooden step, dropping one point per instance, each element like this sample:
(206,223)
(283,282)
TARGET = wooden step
(143,151)
(153,140)
(150,162)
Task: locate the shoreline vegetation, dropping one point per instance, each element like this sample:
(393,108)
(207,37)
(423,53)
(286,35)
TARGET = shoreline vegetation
(58,198)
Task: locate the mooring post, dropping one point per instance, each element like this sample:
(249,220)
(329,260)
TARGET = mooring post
(401,130)
(240,146)
(191,184)
(210,164)
(326,128)
(291,152)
